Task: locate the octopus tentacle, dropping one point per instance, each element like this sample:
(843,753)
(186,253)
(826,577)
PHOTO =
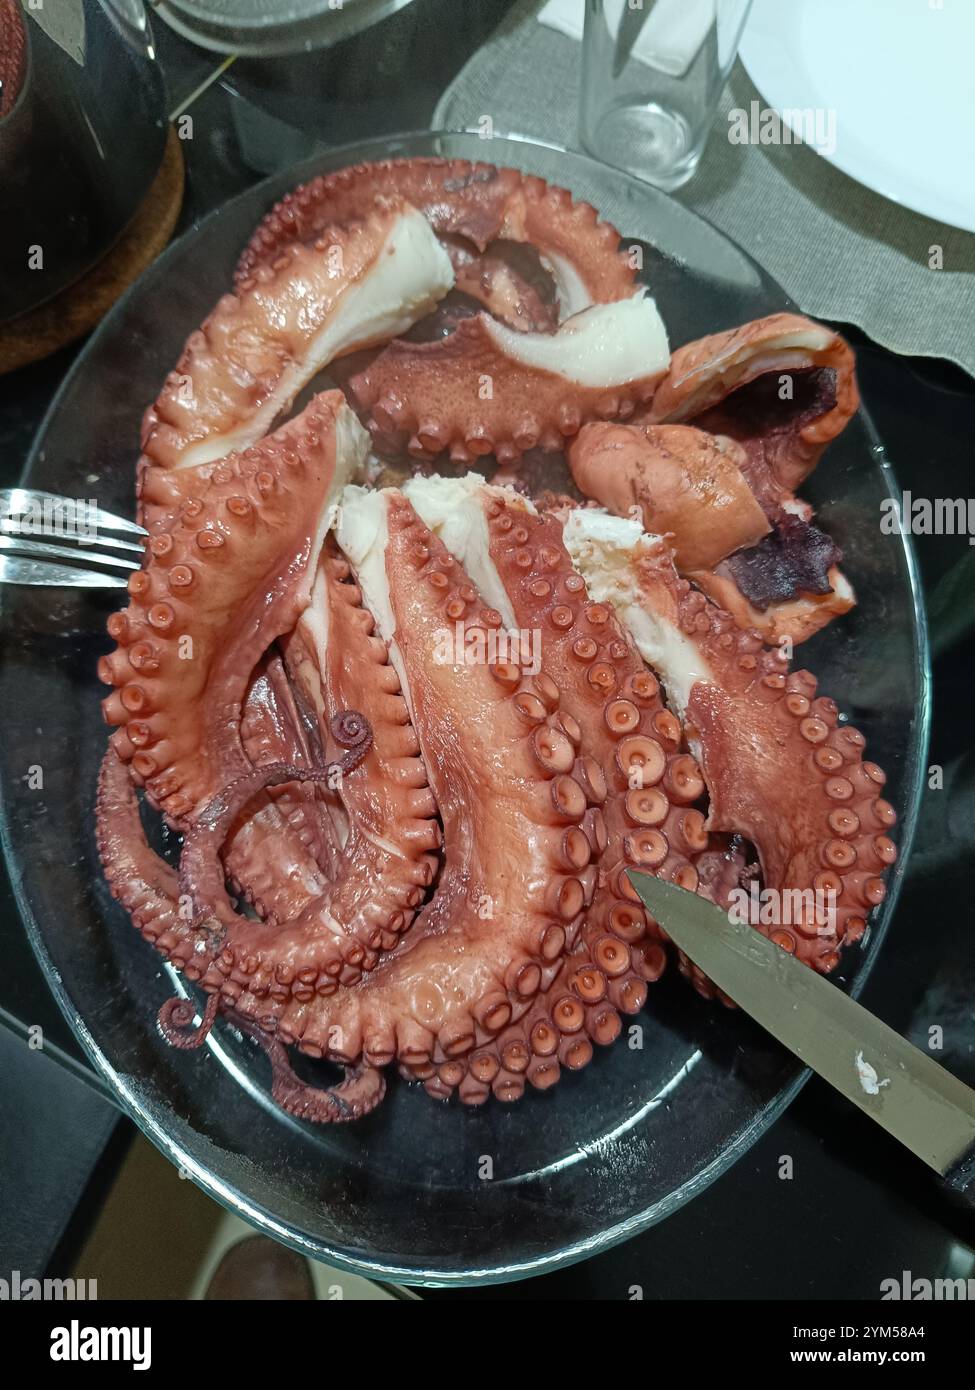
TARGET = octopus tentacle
(312,811)
(361,1091)
(593,988)
(487,389)
(610,958)
(145,885)
(335,939)
(201,875)
(478,953)
(757,555)
(729,384)
(231,576)
(286,847)
(477,202)
(388,859)
(781,769)
(795,618)
(634,763)
(275,728)
(684,483)
(355,287)
(632,744)
(335,656)
(176,1022)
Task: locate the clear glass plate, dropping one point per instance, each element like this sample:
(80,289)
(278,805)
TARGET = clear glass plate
(402,1195)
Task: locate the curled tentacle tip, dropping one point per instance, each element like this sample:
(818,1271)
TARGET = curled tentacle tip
(176,1017)
(352,730)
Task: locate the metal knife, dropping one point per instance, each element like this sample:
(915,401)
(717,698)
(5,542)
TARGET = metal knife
(903,1089)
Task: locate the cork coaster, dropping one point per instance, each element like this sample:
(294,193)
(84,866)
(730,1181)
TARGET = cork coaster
(76,310)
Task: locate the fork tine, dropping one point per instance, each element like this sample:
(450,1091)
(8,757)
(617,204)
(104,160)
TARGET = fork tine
(111,522)
(47,550)
(9,527)
(137,546)
(15,570)
(26,499)
(31,559)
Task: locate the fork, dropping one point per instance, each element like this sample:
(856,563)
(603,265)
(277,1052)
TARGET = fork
(27,556)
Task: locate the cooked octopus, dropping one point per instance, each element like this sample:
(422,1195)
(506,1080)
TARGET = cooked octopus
(415,736)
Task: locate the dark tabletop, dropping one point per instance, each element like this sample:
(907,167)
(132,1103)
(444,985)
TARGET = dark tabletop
(857,1209)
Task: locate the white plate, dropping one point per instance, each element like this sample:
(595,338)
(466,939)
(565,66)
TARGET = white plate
(899,76)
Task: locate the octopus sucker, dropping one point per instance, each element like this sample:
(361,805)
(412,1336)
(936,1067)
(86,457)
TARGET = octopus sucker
(415,737)
(487,389)
(781,770)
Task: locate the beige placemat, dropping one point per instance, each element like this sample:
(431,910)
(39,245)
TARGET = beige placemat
(841,251)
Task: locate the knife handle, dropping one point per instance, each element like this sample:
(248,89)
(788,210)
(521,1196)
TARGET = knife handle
(959,1180)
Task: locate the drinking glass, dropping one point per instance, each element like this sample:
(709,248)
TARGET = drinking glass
(652,75)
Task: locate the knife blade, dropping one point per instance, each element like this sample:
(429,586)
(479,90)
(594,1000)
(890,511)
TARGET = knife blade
(903,1089)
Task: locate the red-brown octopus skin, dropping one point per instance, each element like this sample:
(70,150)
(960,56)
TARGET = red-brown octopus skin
(466,395)
(260,346)
(374,880)
(232,575)
(705,375)
(793,619)
(503,291)
(476,202)
(13,55)
(145,885)
(321,934)
(148,888)
(781,768)
(633,764)
(685,484)
(515,884)
(286,846)
(632,744)
(389,855)
(633,759)
(695,488)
